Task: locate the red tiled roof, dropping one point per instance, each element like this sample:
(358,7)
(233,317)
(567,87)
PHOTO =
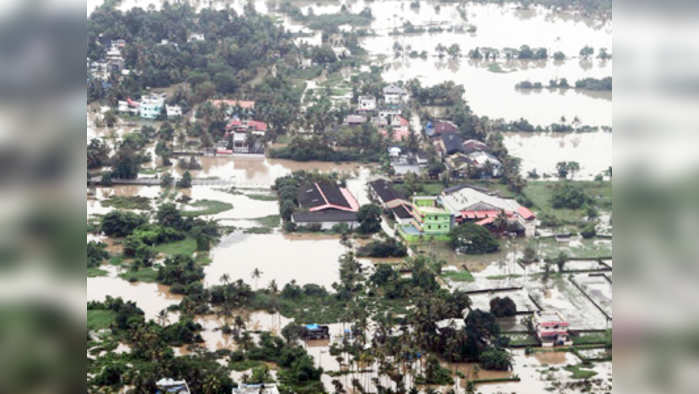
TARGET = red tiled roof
(397,134)
(257,125)
(554,323)
(525,213)
(402,121)
(485,221)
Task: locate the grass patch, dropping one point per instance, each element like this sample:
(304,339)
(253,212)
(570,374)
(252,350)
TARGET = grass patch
(540,192)
(203,258)
(93,272)
(269,221)
(128,202)
(116,260)
(458,276)
(522,340)
(244,365)
(145,274)
(578,372)
(210,207)
(186,246)
(98,319)
(594,338)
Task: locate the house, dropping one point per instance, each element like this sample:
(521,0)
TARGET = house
(367,103)
(262,388)
(326,204)
(195,37)
(551,328)
(167,385)
(173,111)
(394,152)
(354,120)
(384,193)
(432,218)
(448,144)
(113,59)
(482,160)
(394,94)
(387,112)
(255,127)
(471,146)
(314,331)
(428,219)
(151,107)
(440,127)
(403,213)
(469,203)
(396,134)
(130,107)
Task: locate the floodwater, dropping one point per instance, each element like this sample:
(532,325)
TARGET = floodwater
(258,171)
(492,93)
(542,151)
(279,257)
(150,297)
(244,207)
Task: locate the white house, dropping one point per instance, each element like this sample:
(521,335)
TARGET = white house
(481,158)
(367,103)
(151,106)
(195,37)
(394,151)
(124,107)
(173,111)
(394,94)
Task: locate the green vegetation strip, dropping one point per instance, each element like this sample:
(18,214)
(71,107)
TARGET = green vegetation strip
(578,372)
(129,202)
(458,276)
(144,274)
(186,246)
(211,207)
(93,272)
(98,319)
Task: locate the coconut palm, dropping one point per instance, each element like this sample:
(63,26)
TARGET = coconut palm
(256,274)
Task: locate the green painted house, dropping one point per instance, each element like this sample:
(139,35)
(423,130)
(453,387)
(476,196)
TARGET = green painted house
(431,220)
(431,217)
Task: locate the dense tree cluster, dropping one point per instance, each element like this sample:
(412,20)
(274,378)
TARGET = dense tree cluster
(472,239)
(569,195)
(388,248)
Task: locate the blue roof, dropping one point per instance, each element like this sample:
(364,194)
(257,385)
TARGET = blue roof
(312,326)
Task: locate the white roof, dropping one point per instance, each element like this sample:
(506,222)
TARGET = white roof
(393,89)
(465,197)
(164,382)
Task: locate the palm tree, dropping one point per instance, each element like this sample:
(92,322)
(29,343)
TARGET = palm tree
(162,317)
(256,274)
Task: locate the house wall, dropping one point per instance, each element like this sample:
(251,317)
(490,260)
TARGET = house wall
(436,223)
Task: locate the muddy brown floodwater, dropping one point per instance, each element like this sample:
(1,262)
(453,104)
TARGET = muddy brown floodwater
(150,297)
(306,259)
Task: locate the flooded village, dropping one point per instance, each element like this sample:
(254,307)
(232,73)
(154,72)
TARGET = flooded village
(349,197)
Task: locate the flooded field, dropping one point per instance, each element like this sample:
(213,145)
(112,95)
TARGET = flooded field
(541,151)
(238,255)
(259,259)
(150,297)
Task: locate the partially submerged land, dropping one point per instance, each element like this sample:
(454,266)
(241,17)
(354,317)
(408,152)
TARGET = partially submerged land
(265,210)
